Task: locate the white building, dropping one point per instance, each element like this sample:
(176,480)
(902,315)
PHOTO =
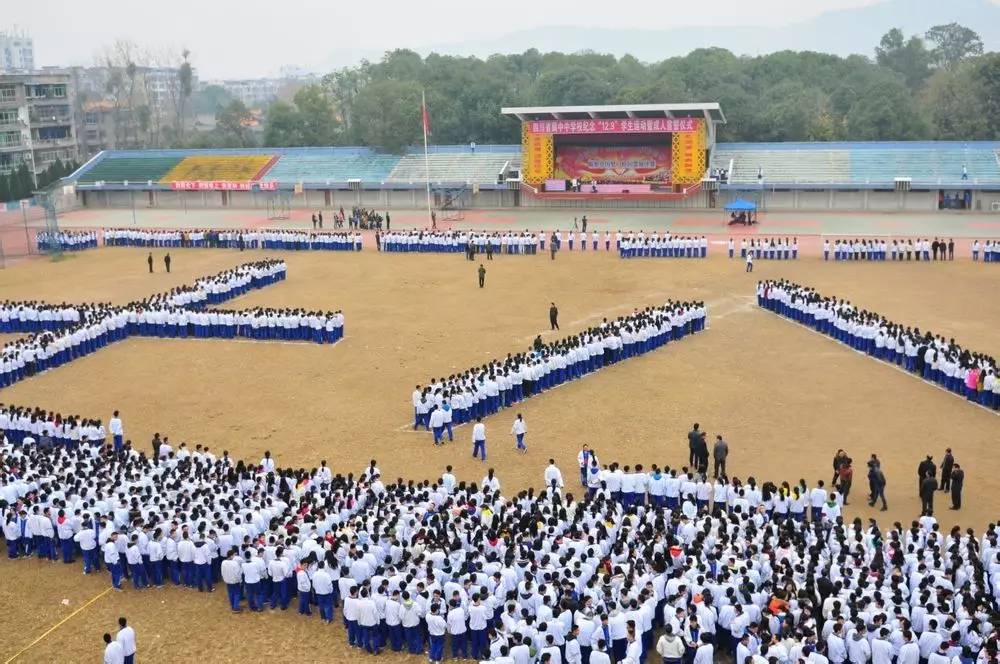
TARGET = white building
(37,124)
(17,51)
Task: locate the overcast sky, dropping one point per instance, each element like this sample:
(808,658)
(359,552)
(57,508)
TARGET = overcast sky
(254,37)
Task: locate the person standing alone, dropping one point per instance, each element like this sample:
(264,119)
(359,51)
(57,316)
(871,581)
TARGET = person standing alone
(720,452)
(166,262)
(149,262)
(482,275)
(554,317)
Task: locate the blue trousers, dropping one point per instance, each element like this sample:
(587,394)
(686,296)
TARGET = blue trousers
(234,592)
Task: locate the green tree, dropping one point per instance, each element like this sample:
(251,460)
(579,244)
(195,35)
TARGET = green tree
(387,114)
(210,98)
(953,43)
(907,57)
(318,126)
(232,124)
(281,128)
(885,110)
(986,76)
(954,105)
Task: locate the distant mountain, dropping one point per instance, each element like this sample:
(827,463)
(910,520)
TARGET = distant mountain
(841,32)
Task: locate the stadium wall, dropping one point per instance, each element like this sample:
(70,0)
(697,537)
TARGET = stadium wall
(777,199)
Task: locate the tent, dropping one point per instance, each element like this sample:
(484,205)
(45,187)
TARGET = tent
(742,211)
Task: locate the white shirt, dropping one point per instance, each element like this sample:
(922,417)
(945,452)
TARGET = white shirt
(479,432)
(113,653)
(126,637)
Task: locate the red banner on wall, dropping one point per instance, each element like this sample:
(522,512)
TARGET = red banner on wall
(624,126)
(629,163)
(219,185)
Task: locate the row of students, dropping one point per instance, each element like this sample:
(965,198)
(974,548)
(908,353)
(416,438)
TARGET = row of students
(35,316)
(934,358)
(882,249)
(270,239)
(65,240)
(665,246)
(180,312)
(501,383)
(459,567)
(775,248)
(990,250)
(453,242)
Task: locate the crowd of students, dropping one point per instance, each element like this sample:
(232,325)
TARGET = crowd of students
(932,357)
(456,242)
(774,248)
(58,334)
(641,563)
(662,246)
(485,389)
(990,250)
(903,249)
(65,240)
(271,239)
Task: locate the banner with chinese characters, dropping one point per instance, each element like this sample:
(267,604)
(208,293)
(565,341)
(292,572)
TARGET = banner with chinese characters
(537,156)
(623,126)
(218,185)
(689,156)
(626,163)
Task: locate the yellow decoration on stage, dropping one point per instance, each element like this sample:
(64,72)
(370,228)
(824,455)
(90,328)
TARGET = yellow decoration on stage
(537,156)
(688,155)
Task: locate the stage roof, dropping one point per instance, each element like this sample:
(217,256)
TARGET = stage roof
(710,111)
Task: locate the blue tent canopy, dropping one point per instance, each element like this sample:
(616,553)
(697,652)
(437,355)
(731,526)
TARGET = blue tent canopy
(741,205)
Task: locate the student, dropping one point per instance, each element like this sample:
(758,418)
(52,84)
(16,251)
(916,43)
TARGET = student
(479,439)
(749,261)
(113,653)
(126,638)
(117,432)
(518,430)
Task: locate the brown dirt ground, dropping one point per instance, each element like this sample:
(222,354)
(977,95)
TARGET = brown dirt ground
(785,398)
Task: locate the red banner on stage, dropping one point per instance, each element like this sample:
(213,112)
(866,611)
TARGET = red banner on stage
(217,185)
(624,126)
(630,163)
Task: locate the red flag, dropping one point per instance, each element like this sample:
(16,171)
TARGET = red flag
(426,117)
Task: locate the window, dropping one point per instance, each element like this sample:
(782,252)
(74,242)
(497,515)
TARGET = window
(8,116)
(91,118)
(8,93)
(10,138)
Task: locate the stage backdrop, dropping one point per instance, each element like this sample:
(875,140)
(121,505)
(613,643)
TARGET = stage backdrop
(625,163)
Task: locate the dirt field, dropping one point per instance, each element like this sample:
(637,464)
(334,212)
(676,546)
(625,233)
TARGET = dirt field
(784,397)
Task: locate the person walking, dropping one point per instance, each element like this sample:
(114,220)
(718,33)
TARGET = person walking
(482,275)
(845,478)
(957,481)
(479,439)
(749,261)
(876,483)
(720,452)
(518,430)
(554,317)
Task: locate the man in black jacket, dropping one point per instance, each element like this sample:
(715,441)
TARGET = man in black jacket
(946,465)
(957,480)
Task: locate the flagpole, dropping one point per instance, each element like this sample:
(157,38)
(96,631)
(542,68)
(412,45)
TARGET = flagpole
(427,161)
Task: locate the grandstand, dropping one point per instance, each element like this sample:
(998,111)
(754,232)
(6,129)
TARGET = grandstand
(134,167)
(860,164)
(469,167)
(331,166)
(230,168)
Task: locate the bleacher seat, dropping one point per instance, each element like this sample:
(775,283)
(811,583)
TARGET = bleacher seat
(926,163)
(478,168)
(131,168)
(233,168)
(320,168)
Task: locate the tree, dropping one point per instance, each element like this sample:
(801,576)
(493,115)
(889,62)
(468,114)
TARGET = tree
(387,114)
(210,99)
(231,122)
(954,105)
(281,128)
(986,76)
(185,75)
(907,57)
(318,124)
(885,110)
(953,43)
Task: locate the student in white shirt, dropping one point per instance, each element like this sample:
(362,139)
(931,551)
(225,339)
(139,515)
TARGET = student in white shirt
(126,637)
(113,653)
(479,439)
(518,430)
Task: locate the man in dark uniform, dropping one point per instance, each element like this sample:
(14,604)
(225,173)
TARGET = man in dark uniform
(314,222)
(957,480)
(156,446)
(166,262)
(694,437)
(482,275)
(149,261)
(388,221)
(553,248)
(554,317)
(928,486)
(924,470)
(319,217)
(489,250)
(946,465)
